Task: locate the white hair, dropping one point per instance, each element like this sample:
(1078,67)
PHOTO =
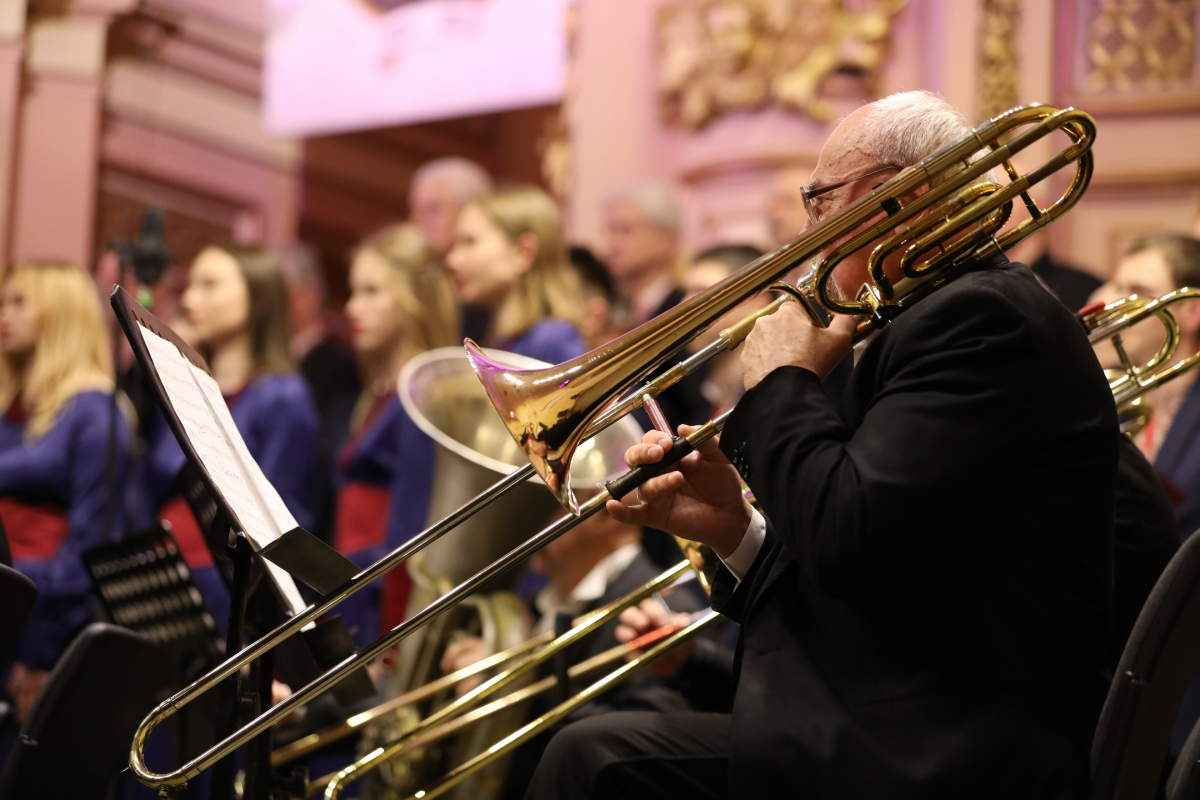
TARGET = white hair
(656,202)
(467,180)
(905,128)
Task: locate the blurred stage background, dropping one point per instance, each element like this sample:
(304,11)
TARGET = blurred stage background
(266,122)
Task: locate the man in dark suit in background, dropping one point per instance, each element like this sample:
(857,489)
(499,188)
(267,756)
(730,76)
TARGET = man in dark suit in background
(926,606)
(327,365)
(643,225)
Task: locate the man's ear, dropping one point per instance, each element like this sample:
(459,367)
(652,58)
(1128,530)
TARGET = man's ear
(528,246)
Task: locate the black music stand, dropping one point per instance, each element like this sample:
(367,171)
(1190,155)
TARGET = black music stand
(77,734)
(244,522)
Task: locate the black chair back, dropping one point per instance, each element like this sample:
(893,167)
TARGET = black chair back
(1184,783)
(77,736)
(17,596)
(1160,658)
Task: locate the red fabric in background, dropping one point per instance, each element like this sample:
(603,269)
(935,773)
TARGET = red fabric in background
(187,533)
(393,600)
(35,531)
(362,512)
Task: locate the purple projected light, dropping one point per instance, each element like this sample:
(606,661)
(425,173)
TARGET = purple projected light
(339,65)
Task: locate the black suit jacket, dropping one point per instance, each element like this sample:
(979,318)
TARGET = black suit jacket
(930,613)
(1145,537)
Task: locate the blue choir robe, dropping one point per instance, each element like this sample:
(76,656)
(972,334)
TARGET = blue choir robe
(551,340)
(53,500)
(384,476)
(278,419)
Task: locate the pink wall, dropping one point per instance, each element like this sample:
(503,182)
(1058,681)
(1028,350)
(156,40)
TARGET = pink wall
(119,106)
(1147,164)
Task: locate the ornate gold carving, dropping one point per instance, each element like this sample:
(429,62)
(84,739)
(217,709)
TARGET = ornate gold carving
(718,56)
(1141,44)
(999,78)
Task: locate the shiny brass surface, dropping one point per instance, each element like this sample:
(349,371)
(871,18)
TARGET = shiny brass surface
(561,711)
(1132,382)
(463,704)
(315,741)
(548,412)
(456,724)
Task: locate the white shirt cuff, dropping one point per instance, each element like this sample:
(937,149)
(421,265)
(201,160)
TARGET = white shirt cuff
(742,559)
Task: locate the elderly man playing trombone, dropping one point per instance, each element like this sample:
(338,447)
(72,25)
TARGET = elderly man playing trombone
(925,599)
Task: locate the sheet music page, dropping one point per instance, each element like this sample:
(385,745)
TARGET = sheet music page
(280,517)
(200,418)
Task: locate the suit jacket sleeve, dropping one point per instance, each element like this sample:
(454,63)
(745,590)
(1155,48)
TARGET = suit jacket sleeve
(857,506)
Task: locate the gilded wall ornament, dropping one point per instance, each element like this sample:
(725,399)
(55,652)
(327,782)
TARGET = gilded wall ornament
(1141,44)
(999,76)
(718,56)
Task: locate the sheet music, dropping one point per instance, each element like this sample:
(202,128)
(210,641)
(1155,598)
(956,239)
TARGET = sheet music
(205,418)
(278,515)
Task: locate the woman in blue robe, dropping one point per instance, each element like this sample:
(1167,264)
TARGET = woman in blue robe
(236,311)
(401,304)
(510,259)
(56,385)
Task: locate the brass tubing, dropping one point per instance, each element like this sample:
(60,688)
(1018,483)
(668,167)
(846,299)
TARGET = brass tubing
(315,741)
(498,682)
(179,777)
(1118,317)
(517,738)
(452,726)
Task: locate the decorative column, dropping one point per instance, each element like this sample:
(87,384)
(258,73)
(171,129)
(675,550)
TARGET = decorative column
(54,202)
(12,51)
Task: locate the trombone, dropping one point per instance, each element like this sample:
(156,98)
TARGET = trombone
(592,620)
(550,412)
(458,714)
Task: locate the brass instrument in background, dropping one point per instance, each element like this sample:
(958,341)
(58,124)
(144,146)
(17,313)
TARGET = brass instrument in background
(1133,381)
(549,413)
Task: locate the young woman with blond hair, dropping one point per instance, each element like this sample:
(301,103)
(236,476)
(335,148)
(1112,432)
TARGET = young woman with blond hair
(56,385)
(510,259)
(236,308)
(401,304)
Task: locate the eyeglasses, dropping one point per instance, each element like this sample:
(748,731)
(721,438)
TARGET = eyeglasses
(811,195)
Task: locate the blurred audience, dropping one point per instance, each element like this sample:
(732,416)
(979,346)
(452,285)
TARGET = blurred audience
(437,194)
(509,258)
(722,386)
(325,363)
(236,305)
(604,314)
(401,304)
(786,216)
(56,384)
(439,191)
(1150,268)
(643,225)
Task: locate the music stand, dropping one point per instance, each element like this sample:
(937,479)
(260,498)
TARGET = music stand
(248,528)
